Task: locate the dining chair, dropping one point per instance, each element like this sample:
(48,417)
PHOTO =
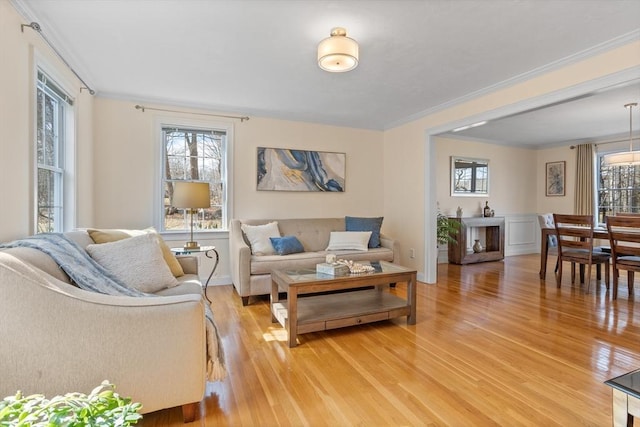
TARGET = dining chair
(624,236)
(575,245)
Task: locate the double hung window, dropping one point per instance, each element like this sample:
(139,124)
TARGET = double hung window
(53,131)
(618,189)
(195,154)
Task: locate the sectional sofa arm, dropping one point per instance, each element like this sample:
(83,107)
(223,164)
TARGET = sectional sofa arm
(240,260)
(394,245)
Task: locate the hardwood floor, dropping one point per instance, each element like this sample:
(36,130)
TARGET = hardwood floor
(493,345)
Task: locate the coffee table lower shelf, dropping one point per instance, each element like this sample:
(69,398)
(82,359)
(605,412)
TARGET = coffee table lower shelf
(330,311)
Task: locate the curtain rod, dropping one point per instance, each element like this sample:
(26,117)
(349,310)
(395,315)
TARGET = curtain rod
(143,108)
(36,27)
(609,142)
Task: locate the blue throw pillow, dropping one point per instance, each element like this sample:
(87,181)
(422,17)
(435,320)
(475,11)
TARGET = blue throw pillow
(365,224)
(286,245)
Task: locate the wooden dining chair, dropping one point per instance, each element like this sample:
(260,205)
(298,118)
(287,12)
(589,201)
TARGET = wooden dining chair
(575,245)
(624,236)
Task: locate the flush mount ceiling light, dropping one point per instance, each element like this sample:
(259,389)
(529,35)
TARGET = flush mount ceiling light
(628,157)
(338,53)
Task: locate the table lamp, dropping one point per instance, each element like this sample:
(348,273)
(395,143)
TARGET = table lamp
(191,196)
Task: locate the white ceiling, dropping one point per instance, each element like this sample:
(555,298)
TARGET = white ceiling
(258,57)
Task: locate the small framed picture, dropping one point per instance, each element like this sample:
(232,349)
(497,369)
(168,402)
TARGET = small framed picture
(554,179)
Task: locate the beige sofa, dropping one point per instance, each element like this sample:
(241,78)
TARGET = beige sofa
(57,338)
(251,274)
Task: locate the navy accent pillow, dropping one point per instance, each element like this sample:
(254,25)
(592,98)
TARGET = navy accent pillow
(286,245)
(373,225)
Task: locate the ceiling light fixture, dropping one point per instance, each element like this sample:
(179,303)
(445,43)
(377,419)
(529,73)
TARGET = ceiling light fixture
(338,53)
(628,157)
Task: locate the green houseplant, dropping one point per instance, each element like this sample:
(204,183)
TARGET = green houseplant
(446,229)
(103,407)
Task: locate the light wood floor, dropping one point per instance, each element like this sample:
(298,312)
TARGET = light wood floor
(493,345)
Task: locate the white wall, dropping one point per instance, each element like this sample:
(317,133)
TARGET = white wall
(126,158)
(511,187)
(19,51)
(558,204)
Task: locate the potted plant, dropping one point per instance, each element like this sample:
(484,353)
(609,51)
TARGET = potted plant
(446,229)
(103,407)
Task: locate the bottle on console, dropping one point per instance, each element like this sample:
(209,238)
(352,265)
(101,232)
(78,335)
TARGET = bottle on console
(487,210)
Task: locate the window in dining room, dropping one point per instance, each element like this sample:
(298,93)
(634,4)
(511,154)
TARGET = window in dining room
(618,189)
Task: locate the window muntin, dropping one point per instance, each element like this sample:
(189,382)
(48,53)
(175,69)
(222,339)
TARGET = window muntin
(52,109)
(194,154)
(618,189)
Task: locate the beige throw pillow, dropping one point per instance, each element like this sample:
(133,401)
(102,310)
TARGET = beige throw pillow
(113,235)
(349,240)
(137,262)
(259,237)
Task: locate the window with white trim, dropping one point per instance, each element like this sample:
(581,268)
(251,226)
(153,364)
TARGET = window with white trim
(618,189)
(195,154)
(54,122)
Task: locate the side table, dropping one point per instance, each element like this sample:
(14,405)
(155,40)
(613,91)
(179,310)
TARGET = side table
(626,398)
(208,252)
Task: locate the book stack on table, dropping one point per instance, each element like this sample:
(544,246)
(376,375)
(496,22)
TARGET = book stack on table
(332,269)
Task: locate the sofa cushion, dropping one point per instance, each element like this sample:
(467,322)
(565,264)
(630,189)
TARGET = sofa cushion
(188,284)
(373,225)
(286,245)
(113,235)
(354,240)
(137,262)
(264,264)
(258,237)
(373,254)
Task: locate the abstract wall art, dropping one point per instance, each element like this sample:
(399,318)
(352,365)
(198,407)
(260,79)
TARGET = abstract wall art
(281,169)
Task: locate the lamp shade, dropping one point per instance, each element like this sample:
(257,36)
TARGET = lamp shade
(630,157)
(191,195)
(338,53)
(625,158)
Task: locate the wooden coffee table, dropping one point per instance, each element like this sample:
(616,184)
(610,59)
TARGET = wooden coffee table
(321,312)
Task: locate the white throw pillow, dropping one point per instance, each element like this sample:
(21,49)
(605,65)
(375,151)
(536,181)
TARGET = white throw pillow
(353,240)
(259,237)
(137,262)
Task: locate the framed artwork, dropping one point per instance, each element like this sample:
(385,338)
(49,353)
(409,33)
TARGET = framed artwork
(281,169)
(555,179)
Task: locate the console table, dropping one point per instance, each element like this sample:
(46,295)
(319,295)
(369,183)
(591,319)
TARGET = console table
(493,247)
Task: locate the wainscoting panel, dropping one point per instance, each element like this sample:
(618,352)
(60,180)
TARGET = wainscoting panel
(522,234)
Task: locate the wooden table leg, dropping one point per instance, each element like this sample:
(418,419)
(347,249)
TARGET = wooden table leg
(544,251)
(411,297)
(275,297)
(292,316)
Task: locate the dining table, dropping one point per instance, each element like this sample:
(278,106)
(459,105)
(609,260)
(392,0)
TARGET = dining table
(598,233)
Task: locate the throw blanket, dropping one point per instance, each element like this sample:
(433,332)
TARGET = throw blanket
(91,276)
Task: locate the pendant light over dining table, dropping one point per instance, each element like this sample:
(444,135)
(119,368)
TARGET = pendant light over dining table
(338,53)
(628,157)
